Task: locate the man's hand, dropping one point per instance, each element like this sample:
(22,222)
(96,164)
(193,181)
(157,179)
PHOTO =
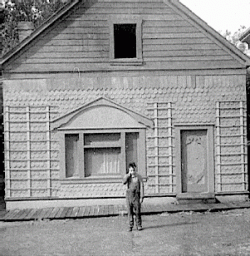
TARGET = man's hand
(141,200)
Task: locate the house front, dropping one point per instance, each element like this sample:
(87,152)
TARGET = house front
(104,83)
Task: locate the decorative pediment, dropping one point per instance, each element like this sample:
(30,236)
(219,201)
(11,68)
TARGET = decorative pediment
(101,114)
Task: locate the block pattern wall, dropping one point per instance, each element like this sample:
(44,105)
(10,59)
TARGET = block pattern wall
(168,100)
(231,146)
(160,149)
(31,152)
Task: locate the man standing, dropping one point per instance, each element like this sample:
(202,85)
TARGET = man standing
(134,196)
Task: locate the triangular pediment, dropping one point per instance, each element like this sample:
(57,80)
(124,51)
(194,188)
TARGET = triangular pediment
(101,114)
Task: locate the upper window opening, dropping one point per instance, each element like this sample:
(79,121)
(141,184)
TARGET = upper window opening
(124,41)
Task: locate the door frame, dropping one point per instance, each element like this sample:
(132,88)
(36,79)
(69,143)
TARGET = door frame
(210,153)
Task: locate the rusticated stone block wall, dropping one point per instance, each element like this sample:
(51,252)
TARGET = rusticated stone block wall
(32,149)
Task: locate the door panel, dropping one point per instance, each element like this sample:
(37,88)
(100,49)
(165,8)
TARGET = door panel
(194,161)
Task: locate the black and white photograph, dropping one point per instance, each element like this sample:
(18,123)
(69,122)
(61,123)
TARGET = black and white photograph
(124,127)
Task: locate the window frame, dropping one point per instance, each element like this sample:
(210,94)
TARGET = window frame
(141,164)
(127,19)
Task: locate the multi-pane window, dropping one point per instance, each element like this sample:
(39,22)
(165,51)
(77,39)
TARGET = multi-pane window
(100,154)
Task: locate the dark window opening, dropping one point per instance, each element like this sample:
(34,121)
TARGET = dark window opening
(124,41)
(71,153)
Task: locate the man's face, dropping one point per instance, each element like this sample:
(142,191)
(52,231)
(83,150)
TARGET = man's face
(131,170)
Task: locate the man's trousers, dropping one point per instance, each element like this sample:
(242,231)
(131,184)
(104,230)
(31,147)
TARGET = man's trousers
(134,208)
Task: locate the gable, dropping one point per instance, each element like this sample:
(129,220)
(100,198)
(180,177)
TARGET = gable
(173,38)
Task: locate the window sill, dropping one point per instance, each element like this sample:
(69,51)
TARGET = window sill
(126,62)
(96,179)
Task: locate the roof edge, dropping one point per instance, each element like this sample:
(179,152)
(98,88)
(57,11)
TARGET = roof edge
(38,31)
(241,57)
(245,37)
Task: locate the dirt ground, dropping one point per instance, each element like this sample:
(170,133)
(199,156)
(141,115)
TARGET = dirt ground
(221,233)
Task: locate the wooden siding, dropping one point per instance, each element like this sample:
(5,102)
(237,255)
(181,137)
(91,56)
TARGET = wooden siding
(81,41)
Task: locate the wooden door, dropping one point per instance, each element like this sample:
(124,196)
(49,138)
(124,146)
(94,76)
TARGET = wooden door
(194,161)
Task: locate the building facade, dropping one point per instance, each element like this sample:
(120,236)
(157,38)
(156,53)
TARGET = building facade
(105,83)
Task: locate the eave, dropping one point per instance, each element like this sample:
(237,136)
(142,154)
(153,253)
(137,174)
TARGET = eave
(245,38)
(61,12)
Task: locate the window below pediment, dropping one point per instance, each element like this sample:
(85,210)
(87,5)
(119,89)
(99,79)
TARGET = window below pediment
(101,155)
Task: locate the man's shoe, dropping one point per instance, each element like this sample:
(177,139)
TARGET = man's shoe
(139,228)
(130,229)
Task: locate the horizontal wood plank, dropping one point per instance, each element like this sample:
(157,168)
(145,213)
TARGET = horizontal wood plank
(173,65)
(119,73)
(76,54)
(94,56)
(165,23)
(196,53)
(177,43)
(152,58)
(70,51)
(72,43)
(105,17)
(189,58)
(173,35)
(180,42)
(183,48)
(79,36)
(82,41)
(147,59)
(132,11)
(132,4)
(168,29)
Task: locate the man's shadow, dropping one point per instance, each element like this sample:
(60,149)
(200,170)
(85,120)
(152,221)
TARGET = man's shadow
(170,225)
